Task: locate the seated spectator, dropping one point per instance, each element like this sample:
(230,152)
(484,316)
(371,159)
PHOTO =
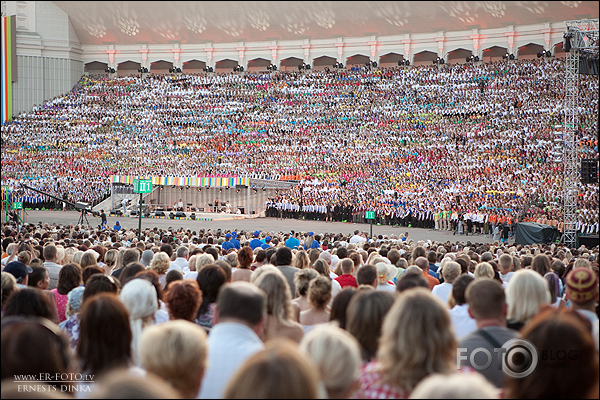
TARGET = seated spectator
(121,383)
(339,306)
(172,276)
(160,264)
(365,315)
(337,355)
(582,292)
(385,274)
(279,321)
(346,278)
(319,295)
(455,386)
(526,294)
(183,299)
(411,279)
(462,321)
(296,376)
(449,271)
(367,275)
(416,341)
(422,263)
(244,270)
(176,351)
(487,305)
(28,302)
(210,279)
(553,332)
(235,336)
(302,280)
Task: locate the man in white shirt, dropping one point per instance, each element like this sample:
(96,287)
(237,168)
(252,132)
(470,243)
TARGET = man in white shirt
(235,336)
(505,265)
(357,238)
(51,255)
(462,322)
(181,262)
(451,271)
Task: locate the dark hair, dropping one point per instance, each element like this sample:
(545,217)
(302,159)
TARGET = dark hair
(152,277)
(210,279)
(89,271)
(554,331)
(183,298)
(104,334)
(261,256)
(32,346)
(37,275)
(340,305)
(28,302)
(342,252)
(241,300)
(172,276)
(486,299)
(365,314)
(131,255)
(411,280)
(99,283)
(366,275)
(69,278)
(213,252)
(541,264)
(129,271)
(459,287)
(432,256)
(167,248)
(284,256)
(464,265)
(245,257)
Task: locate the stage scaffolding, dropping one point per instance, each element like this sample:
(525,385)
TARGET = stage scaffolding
(582,39)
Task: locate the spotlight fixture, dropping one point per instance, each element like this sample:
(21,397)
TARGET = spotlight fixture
(264,188)
(372,64)
(508,56)
(403,63)
(238,68)
(304,66)
(175,70)
(272,67)
(208,69)
(439,61)
(199,189)
(143,70)
(473,58)
(568,35)
(338,65)
(110,70)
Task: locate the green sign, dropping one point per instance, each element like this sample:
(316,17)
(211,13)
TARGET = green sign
(17,205)
(369,214)
(142,186)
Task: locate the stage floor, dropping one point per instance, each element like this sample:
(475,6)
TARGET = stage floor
(226,221)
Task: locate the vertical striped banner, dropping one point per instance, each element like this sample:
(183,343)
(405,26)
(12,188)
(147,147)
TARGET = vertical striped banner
(6,66)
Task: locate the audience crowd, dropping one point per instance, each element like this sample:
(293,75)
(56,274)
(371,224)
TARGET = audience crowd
(427,146)
(228,314)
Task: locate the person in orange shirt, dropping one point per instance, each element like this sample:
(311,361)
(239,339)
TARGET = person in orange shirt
(423,263)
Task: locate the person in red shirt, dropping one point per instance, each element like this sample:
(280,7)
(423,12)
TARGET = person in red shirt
(347,279)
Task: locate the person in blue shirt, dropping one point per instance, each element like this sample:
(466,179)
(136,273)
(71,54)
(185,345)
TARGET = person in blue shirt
(117,227)
(293,241)
(254,243)
(234,241)
(267,244)
(226,245)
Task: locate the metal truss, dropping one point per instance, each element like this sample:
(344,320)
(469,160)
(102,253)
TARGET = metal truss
(583,37)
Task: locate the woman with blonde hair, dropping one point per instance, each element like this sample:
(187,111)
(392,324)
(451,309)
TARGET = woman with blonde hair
(337,355)
(526,294)
(302,279)
(417,340)
(110,261)
(301,260)
(89,259)
(319,295)
(280,313)
(69,252)
(484,270)
(160,264)
(77,257)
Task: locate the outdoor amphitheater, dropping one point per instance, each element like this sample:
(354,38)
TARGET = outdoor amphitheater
(318,199)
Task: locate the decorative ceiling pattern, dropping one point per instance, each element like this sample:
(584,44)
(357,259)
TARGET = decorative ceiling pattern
(131,22)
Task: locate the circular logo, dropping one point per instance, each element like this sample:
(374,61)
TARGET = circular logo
(519,359)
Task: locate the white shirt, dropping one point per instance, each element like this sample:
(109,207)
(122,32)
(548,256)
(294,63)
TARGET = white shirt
(180,262)
(461,320)
(442,291)
(229,346)
(506,277)
(357,239)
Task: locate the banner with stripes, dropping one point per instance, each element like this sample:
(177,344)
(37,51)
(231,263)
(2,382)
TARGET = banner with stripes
(8,36)
(182,181)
